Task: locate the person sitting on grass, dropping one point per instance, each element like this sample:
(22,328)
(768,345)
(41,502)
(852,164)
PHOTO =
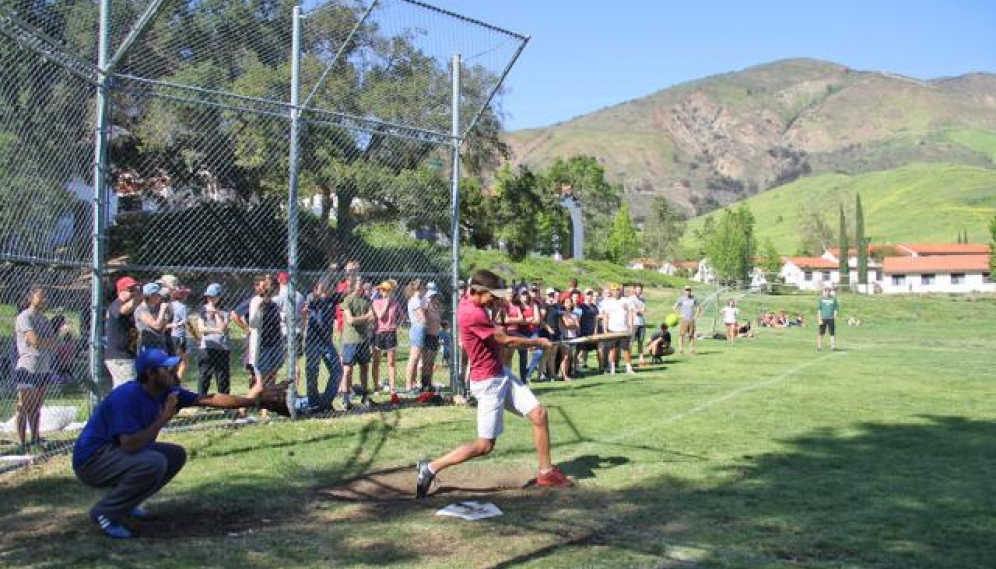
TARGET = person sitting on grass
(660,344)
(117,448)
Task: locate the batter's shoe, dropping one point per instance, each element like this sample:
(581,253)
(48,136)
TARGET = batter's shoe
(554,478)
(424,479)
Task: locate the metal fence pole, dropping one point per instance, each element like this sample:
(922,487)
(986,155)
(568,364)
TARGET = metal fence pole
(100,199)
(292,206)
(456,383)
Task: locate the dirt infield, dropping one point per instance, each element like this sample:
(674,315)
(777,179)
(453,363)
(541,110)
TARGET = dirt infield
(463,481)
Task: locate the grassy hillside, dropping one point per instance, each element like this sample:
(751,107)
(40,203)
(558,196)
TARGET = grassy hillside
(916,203)
(724,138)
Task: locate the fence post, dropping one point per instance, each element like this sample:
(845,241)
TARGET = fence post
(100,199)
(292,209)
(456,383)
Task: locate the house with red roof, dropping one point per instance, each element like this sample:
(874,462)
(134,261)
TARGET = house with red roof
(904,268)
(944,273)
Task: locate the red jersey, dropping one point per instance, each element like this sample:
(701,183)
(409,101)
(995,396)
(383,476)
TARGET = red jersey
(477,334)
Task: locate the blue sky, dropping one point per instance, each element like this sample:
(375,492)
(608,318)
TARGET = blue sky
(584,55)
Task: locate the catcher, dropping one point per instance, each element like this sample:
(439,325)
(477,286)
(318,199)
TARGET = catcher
(117,448)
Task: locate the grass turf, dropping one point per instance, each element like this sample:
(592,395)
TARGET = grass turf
(763,453)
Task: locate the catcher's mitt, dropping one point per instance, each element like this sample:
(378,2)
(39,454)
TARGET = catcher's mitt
(275,399)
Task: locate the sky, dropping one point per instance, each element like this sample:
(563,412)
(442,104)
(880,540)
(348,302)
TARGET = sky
(584,55)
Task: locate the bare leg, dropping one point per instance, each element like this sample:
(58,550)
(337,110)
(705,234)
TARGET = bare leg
(541,436)
(463,453)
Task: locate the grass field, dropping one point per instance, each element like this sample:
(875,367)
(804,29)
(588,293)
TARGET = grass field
(763,453)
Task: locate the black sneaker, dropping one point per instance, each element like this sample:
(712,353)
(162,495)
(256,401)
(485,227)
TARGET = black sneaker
(424,479)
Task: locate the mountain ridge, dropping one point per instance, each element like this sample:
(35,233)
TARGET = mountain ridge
(713,141)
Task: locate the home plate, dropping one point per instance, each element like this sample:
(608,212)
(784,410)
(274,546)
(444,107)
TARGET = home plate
(470,510)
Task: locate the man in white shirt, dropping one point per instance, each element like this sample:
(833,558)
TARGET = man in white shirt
(617,317)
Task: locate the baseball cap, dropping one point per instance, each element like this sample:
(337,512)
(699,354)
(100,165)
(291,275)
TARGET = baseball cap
(151,288)
(154,358)
(386,286)
(283,277)
(125,283)
(687,287)
(550,291)
(486,280)
(213,289)
(169,281)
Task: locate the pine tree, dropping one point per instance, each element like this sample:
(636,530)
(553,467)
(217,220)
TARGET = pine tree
(844,254)
(859,241)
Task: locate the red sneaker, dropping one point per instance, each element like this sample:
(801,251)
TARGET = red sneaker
(554,478)
(394,399)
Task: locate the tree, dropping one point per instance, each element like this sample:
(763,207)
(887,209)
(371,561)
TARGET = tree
(815,232)
(599,199)
(843,258)
(623,241)
(731,248)
(516,204)
(769,260)
(992,247)
(663,231)
(859,240)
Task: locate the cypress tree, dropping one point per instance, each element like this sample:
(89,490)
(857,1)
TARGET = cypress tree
(860,244)
(843,267)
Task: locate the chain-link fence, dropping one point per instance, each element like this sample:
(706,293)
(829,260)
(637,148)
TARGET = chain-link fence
(211,142)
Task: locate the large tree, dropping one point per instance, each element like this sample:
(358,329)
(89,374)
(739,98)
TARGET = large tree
(843,257)
(623,239)
(732,246)
(663,230)
(859,240)
(599,200)
(515,207)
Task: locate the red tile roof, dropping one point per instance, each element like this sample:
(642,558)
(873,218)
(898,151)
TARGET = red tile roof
(811,262)
(936,264)
(686,264)
(945,248)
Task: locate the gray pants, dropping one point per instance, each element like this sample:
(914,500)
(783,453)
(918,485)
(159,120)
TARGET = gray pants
(131,478)
(121,371)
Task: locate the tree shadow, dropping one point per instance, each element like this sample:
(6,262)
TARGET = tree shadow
(878,495)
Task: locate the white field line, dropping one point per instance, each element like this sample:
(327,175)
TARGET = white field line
(721,399)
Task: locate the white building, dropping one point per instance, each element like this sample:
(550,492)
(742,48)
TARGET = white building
(937,273)
(809,273)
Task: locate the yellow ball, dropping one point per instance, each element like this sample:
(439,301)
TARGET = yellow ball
(672,320)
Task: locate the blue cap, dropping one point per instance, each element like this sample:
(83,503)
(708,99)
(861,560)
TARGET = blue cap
(213,289)
(153,358)
(151,288)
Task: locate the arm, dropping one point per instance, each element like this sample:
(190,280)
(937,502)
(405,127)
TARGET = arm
(132,443)
(157,323)
(507,341)
(130,306)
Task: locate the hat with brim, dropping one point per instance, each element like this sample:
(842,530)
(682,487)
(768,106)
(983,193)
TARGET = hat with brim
(154,358)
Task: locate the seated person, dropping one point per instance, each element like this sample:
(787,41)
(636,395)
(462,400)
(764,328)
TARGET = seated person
(744,331)
(781,320)
(660,344)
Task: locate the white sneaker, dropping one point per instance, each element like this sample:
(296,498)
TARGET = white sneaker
(629,369)
(612,370)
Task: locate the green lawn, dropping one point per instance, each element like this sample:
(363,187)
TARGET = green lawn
(764,453)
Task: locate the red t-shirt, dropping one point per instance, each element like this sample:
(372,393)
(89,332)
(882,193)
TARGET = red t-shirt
(477,334)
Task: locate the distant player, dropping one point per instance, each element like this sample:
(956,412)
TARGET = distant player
(826,315)
(493,387)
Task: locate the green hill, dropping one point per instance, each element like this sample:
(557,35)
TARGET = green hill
(915,203)
(721,139)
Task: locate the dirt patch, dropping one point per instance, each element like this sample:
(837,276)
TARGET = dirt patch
(464,481)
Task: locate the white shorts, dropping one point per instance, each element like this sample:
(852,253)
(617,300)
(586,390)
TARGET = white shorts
(494,396)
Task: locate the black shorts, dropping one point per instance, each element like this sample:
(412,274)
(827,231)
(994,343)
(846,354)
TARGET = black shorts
(24,379)
(431,343)
(621,343)
(640,333)
(828,324)
(385,341)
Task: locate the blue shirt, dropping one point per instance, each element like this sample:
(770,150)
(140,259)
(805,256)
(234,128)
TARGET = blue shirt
(125,411)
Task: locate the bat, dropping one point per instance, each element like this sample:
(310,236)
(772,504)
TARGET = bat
(601,337)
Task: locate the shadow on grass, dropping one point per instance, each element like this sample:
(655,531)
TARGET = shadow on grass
(880,495)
